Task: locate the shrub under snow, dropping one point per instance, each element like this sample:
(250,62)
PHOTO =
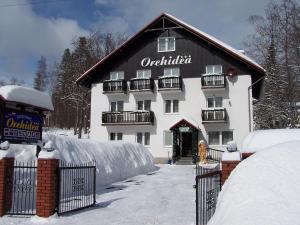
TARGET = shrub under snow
(263,189)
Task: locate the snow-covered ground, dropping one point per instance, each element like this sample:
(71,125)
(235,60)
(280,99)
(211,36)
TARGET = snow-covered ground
(263,189)
(164,197)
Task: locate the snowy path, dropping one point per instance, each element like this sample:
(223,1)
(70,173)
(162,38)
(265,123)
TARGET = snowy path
(166,197)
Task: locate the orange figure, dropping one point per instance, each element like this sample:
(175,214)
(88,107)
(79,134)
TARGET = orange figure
(202,152)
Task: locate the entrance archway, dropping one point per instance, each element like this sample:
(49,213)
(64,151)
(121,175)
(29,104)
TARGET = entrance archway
(185,139)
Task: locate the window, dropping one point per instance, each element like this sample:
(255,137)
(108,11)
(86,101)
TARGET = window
(168,138)
(214,102)
(226,137)
(172,106)
(144,105)
(116,136)
(213,138)
(166,44)
(117,75)
(171,72)
(219,138)
(143,138)
(143,74)
(214,69)
(117,106)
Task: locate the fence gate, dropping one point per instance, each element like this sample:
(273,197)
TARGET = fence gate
(20,191)
(208,186)
(76,186)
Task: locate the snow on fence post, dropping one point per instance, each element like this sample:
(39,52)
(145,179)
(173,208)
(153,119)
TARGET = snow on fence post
(229,161)
(47,180)
(6,180)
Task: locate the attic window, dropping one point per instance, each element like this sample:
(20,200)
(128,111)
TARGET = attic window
(166,44)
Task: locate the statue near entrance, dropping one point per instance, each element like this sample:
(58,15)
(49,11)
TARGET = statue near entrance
(202,152)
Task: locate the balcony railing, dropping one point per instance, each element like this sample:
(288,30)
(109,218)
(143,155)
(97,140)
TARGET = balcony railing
(170,83)
(128,117)
(213,81)
(114,86)
(213,115)
(142,84)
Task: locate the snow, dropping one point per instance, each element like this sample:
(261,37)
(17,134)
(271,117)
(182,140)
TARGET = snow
(49,155)
(231,156)
(260,139)
(161,198)
(6,154)
(263,189)
(4,145)
(27,96)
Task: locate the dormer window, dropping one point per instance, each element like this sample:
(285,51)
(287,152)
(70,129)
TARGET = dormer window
(214,69)
(166,44)
(117,75)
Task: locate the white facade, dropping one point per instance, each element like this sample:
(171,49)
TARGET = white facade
(192,99)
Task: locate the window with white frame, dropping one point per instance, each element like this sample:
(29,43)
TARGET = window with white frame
(166,44)
(144,105)
(117,106)
(116,136)
(219,137)
(214,102)
(171,106)
(117,75)
(171,71)
(143,138)
(168,138)
(143,74)
(213,69)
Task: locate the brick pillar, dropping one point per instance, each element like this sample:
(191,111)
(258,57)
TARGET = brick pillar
(245,155)
(229,162)
(6,183)
(47,180)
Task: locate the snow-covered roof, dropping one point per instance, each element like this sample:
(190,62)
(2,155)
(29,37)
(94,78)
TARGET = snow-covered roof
(27,96)
(230,50)
(261,139)
(191,121)
(263,189)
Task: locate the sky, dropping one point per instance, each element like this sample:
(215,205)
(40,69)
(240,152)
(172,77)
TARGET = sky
(32,28)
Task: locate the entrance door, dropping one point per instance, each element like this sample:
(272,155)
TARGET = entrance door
(186,144)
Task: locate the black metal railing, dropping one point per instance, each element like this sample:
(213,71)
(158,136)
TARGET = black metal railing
(214,115)
(208,186)
(141,84)
(20,191)
(77,186)
(170,83)
(111,86)
(128,117)
(213,81)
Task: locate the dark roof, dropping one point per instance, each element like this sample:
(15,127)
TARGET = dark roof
(83,79)
(183,122)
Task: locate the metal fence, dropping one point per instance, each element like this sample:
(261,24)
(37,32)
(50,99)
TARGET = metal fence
(20,192)
(208,186)
(77,186)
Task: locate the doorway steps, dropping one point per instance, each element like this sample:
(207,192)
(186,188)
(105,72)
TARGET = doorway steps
(185,161)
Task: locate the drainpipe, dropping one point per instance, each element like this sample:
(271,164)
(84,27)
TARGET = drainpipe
(249,100)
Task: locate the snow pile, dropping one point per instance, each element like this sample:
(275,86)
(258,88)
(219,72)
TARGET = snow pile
(115,161)
(261,139)
(263,189)
(27,96)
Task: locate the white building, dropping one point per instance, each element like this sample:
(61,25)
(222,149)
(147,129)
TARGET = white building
(171,85)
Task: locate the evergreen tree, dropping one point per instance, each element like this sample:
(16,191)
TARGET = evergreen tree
(41,75)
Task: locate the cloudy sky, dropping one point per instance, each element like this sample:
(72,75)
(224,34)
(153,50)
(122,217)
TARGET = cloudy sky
(31,28)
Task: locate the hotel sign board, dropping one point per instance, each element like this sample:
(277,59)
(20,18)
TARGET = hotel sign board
(21,127)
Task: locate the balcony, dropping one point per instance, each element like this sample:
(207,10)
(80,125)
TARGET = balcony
(213,81)
(114,86)
(141,84)
(169,83)
(128,118)
(214,115)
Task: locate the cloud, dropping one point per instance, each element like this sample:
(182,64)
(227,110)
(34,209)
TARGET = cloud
(25,36)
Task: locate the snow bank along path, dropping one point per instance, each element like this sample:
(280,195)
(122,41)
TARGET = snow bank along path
(261,139)
(263,189)
(115,161)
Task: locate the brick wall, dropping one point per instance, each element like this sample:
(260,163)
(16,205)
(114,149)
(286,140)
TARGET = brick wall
(227,168)
(6,184)
(47,181)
